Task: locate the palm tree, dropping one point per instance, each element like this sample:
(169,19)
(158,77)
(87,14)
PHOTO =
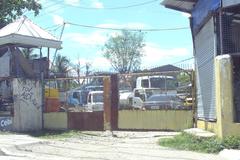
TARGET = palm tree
(28,54)
(61,66)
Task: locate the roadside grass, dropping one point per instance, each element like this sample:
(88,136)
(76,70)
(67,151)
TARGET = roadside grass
(54,134)
(190,142)
(6,133)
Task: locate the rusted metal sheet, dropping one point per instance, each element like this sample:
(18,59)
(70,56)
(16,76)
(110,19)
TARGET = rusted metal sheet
(91,121)
(111,99)
(107,103)
(114,101)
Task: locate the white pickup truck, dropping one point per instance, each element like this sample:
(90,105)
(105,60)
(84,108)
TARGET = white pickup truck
(95,101)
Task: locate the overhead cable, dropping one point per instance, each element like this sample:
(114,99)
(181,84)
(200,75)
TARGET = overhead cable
(115,8)
(128,29)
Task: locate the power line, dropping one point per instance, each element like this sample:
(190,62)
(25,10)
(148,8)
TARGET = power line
(53,26)
(92,8)
(115,8)
(184,60)
(129,29)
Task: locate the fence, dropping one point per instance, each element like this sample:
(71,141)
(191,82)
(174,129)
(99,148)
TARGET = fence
(143,100)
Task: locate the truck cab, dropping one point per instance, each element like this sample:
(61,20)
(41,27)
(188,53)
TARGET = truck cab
(76,98)
(146,86)
(95,101)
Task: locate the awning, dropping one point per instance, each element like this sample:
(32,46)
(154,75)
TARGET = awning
(24,32)
(180,5)
(199,9)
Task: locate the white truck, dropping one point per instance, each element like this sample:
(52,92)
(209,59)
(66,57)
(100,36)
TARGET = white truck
(146,86)
(95,101)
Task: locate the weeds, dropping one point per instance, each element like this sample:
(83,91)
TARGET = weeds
(190,142)
(51,134)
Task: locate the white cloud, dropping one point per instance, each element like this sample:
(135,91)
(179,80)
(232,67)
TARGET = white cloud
(185,14)
(97,37)
(101,63)
(72,2)
(97,4)
(133,25)
(58,20)
(96,63)
(94,38)
(154,55)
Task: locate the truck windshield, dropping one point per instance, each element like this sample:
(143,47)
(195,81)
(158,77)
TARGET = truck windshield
(98,98)
(163,83)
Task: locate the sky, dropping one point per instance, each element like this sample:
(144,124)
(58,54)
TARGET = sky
(84,45)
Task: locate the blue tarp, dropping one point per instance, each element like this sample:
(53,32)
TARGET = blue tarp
(202,10)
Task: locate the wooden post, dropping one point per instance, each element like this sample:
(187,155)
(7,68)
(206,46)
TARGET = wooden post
(111,99)
(114,101)
(107,103)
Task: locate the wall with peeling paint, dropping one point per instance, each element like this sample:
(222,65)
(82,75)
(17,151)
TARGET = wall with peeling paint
(225,125)
(27,105)
(56,120)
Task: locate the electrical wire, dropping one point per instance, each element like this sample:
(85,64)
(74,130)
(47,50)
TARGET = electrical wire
(128,29)
(92,8)
(115,8)
(53,26)
(184,60)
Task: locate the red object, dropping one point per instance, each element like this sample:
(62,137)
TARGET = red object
(52,105)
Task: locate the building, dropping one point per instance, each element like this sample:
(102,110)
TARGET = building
(21,80)
(215,26)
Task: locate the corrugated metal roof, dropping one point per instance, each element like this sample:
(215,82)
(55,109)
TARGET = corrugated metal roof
(180,5)
(24,31)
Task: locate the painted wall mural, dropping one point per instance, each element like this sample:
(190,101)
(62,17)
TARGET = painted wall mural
(6,123)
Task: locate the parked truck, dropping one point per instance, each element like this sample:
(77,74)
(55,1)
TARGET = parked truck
(147,86)
(95,101)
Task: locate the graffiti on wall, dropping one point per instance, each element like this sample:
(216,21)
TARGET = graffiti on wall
(5,123)
(27,94)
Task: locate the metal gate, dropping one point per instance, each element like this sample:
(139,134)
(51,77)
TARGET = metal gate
(205,52)
(86,121)
(161,98)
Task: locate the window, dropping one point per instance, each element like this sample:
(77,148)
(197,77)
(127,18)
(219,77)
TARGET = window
(97,98)
(145,83)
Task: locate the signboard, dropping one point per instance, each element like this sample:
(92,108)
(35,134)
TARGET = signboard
(5,123)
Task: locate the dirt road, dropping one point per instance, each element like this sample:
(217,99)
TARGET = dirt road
(102,146)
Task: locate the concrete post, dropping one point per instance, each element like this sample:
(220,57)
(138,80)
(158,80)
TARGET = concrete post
(224,97)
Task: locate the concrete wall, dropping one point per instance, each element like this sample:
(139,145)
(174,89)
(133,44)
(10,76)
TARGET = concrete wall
(55,120)
(27,105)
(224,97)
(209,126)
(155,119)
(225,125)
(5,123)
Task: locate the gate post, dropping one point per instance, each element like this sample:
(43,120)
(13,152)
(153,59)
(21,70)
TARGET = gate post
(114,101)
(111,99)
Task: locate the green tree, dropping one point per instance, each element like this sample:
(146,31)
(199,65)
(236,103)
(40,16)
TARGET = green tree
(28,53)
(61,66)
(11,9)
(124,51)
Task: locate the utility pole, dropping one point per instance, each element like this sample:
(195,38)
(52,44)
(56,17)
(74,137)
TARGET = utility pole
(87,71)
(55,54)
